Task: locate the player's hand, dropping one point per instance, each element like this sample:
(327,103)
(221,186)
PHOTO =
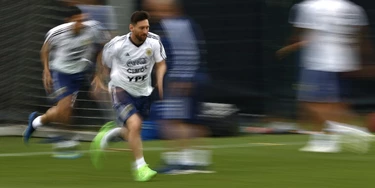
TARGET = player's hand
(47,81)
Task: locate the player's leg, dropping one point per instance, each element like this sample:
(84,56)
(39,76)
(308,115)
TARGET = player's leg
(179,125)
(338,124)
(201,130)
(318,93)
(173,112)
(190,146)
(320,140)
(141,170)
(344,122)
(66,88)
(61,112)
(122,104)
(202,156)
(128,115)
(342,108)
(134,125)
(195,152)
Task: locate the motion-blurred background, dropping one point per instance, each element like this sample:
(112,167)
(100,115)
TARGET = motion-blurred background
(242,37)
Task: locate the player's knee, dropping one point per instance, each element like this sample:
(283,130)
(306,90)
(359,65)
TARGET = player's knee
(64,110)
(134,123)
(65,104)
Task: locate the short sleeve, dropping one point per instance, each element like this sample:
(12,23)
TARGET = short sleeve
(302,16)
(159,52)
(359,17)
(51,38)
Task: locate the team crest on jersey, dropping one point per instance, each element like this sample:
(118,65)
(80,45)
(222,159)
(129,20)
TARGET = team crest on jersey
(148,52)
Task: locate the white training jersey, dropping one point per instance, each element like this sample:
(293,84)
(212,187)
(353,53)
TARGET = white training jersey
(71,53)
(333,34)
(131,65)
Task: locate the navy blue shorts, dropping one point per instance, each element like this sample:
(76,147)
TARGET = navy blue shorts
(321,86)
(126,105)
(177,105)
(65,84)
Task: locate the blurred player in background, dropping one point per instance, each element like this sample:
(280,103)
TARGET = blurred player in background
(131,59)
(332,35)
(184,80)
(66,55)
(106,16)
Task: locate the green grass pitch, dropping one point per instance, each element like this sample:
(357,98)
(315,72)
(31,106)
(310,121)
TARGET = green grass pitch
(269,161)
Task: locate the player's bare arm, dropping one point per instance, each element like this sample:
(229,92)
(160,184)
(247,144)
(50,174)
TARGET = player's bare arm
(295,43)
(161,68)
(285,51)
(101,74)
(47,80)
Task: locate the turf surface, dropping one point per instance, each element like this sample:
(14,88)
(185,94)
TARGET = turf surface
(251,161)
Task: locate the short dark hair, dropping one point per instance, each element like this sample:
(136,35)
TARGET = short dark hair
(139,16)
(72,11)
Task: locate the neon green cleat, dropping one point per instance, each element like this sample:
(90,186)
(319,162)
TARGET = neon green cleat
(144,173)
(108,126)
(96,151)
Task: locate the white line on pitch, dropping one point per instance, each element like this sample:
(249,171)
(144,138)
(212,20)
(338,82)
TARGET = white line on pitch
(24,154)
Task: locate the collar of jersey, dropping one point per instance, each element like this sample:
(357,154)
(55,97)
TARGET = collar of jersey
(135,43)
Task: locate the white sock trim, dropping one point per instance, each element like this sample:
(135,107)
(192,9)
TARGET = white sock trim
(37,122)
(140,162)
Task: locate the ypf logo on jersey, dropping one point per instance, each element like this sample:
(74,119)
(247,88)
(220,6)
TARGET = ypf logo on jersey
(137,78)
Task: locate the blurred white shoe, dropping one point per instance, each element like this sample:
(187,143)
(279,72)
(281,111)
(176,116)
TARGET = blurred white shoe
(311,146)
(323,143)
(354,139)
(331,145)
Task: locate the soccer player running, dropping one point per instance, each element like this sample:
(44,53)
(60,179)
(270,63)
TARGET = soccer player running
(332,35)
(131,59)
(185,48)
(65,56)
